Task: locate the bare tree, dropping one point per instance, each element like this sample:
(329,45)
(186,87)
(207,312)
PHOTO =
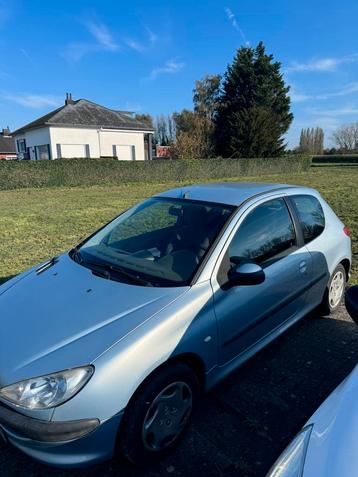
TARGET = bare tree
(346,137)
(311,141)
(206,96)
(164,130)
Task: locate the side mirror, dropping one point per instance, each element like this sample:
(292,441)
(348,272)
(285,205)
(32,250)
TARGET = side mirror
(246,274)
(352,302)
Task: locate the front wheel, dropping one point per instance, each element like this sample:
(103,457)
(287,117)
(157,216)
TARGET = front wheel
(158,414)
(335,291)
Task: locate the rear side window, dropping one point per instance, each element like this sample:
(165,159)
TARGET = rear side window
(311,216)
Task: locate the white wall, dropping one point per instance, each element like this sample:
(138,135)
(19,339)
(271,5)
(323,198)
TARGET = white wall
(109,138)
(34,137)
(73,140)
(100,141)
(75,137)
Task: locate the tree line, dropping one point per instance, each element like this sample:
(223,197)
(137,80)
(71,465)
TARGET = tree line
(243,113)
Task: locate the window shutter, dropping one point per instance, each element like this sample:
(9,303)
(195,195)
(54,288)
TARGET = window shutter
(58,149)
(133,153)
(87,151)
(114,147)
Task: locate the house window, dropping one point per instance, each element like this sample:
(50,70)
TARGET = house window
(21,145)
(43,152)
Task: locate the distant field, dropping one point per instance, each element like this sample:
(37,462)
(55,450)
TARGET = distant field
(38,223)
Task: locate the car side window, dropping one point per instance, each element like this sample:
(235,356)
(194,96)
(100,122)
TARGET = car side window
(266,235)
(311,216)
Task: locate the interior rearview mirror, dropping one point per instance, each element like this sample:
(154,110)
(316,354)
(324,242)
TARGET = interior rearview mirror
(246,274)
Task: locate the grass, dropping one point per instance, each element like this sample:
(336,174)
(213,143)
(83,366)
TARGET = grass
(38,223)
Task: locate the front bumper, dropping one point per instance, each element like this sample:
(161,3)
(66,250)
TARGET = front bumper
(61,444)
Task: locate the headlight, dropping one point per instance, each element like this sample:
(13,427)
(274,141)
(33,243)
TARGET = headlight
(292,460)
(47,391)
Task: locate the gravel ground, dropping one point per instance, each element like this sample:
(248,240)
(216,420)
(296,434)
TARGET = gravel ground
(246,421)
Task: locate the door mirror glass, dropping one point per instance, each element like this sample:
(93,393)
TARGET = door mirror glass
(246,274)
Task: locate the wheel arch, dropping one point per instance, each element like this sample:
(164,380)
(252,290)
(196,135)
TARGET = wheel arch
(347,266)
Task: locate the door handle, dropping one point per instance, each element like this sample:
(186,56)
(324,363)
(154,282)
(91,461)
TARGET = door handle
(303,267)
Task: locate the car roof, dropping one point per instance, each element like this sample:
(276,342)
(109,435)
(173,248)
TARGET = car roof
(230,193)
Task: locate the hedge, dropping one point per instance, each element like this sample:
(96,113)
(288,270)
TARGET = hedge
(87,172)
(336,159)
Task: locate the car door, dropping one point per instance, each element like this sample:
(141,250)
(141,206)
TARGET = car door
(268,236)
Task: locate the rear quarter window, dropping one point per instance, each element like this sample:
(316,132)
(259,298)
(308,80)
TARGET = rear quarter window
(311,216)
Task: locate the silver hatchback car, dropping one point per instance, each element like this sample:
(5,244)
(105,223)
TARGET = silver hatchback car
(108,346)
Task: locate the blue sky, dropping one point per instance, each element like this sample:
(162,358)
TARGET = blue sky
(145,56)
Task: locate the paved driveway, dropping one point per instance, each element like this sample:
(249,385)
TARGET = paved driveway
(247,420)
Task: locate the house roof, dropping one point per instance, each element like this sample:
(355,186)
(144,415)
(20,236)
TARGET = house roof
(7,145)
(84,113)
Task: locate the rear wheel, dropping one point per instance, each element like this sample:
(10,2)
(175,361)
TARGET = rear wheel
(335,291)
(158,414)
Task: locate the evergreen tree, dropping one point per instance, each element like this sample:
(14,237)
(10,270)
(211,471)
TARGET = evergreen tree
(254,107)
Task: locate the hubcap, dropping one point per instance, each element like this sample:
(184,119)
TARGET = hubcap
(336,289)
(167,416)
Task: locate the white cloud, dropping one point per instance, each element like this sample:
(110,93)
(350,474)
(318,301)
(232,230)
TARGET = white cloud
(153,37)
(341,111)
(32,100)
(299,97)
(321,64)
(135,45)
(328,123)
(232,18)
(169,67)
(101,34)
(103,41)
(75,51)
(139,46)
(348,89)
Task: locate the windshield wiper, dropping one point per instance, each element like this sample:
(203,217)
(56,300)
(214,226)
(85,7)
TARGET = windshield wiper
(119,270)
(76,255)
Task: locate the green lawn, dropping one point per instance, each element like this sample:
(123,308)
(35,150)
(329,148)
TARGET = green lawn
(38,223)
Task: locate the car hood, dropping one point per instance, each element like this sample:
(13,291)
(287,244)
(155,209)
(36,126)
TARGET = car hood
(333,447)
(66,317)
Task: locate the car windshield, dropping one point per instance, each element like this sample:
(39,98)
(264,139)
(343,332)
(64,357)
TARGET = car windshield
(160,242)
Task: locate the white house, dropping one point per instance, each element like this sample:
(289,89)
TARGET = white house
(84,129)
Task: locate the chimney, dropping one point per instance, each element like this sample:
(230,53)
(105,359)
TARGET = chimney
(69,99)
(5,132)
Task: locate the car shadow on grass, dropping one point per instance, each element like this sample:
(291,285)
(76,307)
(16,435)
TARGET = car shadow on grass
(245,422)
(5,279)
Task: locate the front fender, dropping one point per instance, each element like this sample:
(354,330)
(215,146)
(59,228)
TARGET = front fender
(182,327)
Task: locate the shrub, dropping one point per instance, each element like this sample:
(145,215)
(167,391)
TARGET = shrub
(336,159)
(88,172)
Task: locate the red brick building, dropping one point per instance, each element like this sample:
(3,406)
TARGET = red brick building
(7,145)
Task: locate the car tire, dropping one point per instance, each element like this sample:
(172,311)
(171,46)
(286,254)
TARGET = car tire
(334,293)
(158,414)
